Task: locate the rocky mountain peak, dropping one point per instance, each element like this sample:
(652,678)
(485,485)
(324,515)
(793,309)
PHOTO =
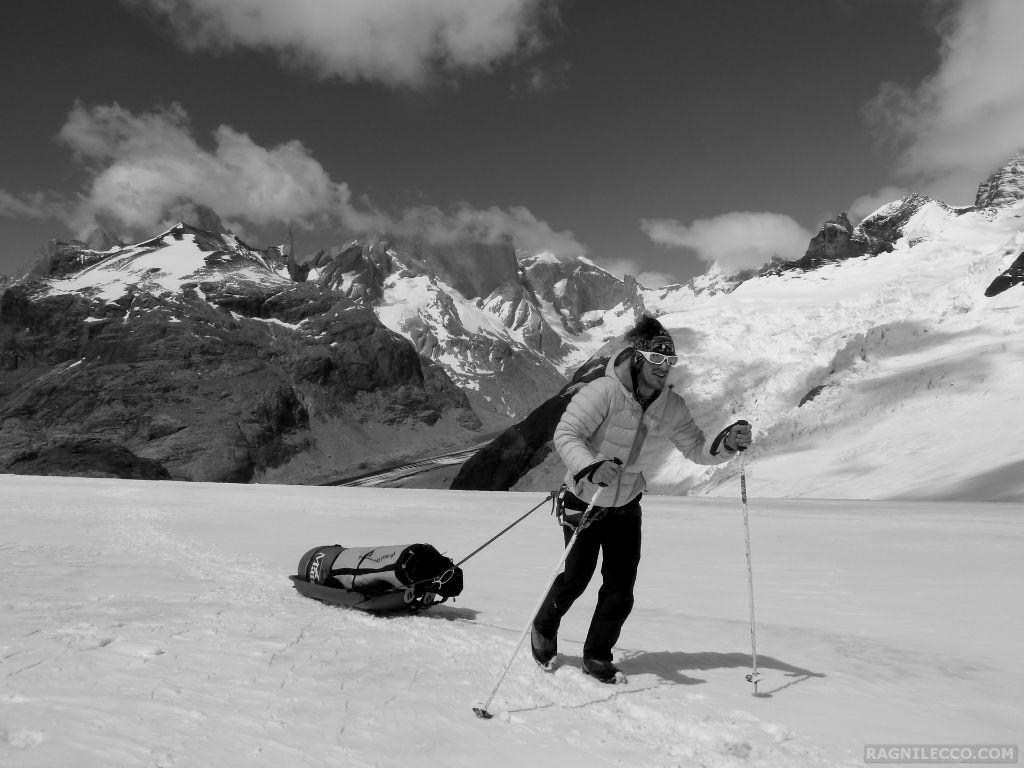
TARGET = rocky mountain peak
(473,267)
(100,239)
(832,243)
(577,288)
(61,257)
(198,353)
(357,269)
(838,240)
(880,230)
(1004,187)
(196,215)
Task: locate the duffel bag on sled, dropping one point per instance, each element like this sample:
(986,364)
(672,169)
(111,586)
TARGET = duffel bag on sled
(402,577)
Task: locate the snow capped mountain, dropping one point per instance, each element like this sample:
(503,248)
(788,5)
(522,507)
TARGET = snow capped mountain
(165,265)
(826,363)
(907,317)
(196,352)
(304,356)
(578,292)
(509,347)
(1004,187)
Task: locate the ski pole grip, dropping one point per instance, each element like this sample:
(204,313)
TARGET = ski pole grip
(744,423)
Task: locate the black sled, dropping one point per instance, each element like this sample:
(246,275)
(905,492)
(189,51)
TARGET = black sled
(406,577)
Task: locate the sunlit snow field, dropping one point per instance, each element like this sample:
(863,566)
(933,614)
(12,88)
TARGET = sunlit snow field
(153,624)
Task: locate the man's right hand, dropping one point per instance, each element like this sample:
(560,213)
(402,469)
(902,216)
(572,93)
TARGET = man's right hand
(606,473)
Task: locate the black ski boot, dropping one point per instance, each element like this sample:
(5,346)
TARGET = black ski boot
(544,649)
(602,671)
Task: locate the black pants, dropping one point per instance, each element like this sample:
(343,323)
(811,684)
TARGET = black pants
(617,536)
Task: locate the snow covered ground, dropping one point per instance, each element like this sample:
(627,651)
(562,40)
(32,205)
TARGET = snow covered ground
(152,624)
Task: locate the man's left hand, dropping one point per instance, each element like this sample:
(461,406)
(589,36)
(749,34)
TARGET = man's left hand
(739,437)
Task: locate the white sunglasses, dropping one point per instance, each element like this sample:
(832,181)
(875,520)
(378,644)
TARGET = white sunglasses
(656,358)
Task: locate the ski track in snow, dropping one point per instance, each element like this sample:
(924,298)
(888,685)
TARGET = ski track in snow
(151,624)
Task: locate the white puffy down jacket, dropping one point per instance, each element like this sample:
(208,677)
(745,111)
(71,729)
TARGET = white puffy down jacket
(604,421)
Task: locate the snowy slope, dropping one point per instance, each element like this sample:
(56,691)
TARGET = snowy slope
(886,377)
(152,624)
(164,263)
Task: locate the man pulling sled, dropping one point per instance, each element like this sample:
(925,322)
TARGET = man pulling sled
(600,438)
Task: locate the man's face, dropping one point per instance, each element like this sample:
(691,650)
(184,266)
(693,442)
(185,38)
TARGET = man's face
(654,376)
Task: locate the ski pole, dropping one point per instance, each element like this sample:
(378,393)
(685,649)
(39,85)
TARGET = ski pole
(753,676)
(481,711)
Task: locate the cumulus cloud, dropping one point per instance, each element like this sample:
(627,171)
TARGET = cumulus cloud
(144,170)
(734,241)
(487,225)
(646,278)
(399,42)
(968,117)
(140,165)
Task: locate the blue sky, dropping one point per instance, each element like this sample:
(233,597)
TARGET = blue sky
(656,137)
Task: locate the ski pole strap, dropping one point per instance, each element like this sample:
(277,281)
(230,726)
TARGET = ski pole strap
(506,529)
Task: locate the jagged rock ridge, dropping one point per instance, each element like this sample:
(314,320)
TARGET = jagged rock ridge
(503,347)
(524,448)
(1004,187)
(199,353)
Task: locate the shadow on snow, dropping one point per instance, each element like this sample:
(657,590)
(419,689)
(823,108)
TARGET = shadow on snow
(670,665)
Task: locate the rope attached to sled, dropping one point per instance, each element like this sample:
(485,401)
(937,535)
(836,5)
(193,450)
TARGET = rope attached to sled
(430,597)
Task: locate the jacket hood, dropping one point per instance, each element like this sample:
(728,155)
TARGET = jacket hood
(618,368)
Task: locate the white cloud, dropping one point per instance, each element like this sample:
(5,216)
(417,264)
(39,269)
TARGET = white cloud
(968,118)
(868,204)
(530,234)
(142,165)
(646,278)
(733,241)
(144,169)
(400,42)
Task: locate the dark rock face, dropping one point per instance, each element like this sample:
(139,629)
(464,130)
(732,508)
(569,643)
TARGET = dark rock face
(832,243)
(878,232)
(838,240)
(62,258)
(516,306)
(1004,187)
(473,268)
(499,464)
(101,240)
(238,372)
(358,269)
(1014,275)
(88,458)
(576,287)
(504,373)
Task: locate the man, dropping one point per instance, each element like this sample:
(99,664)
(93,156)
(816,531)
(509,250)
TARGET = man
(600,438)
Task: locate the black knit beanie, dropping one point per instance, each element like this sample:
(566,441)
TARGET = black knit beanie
(650,335)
